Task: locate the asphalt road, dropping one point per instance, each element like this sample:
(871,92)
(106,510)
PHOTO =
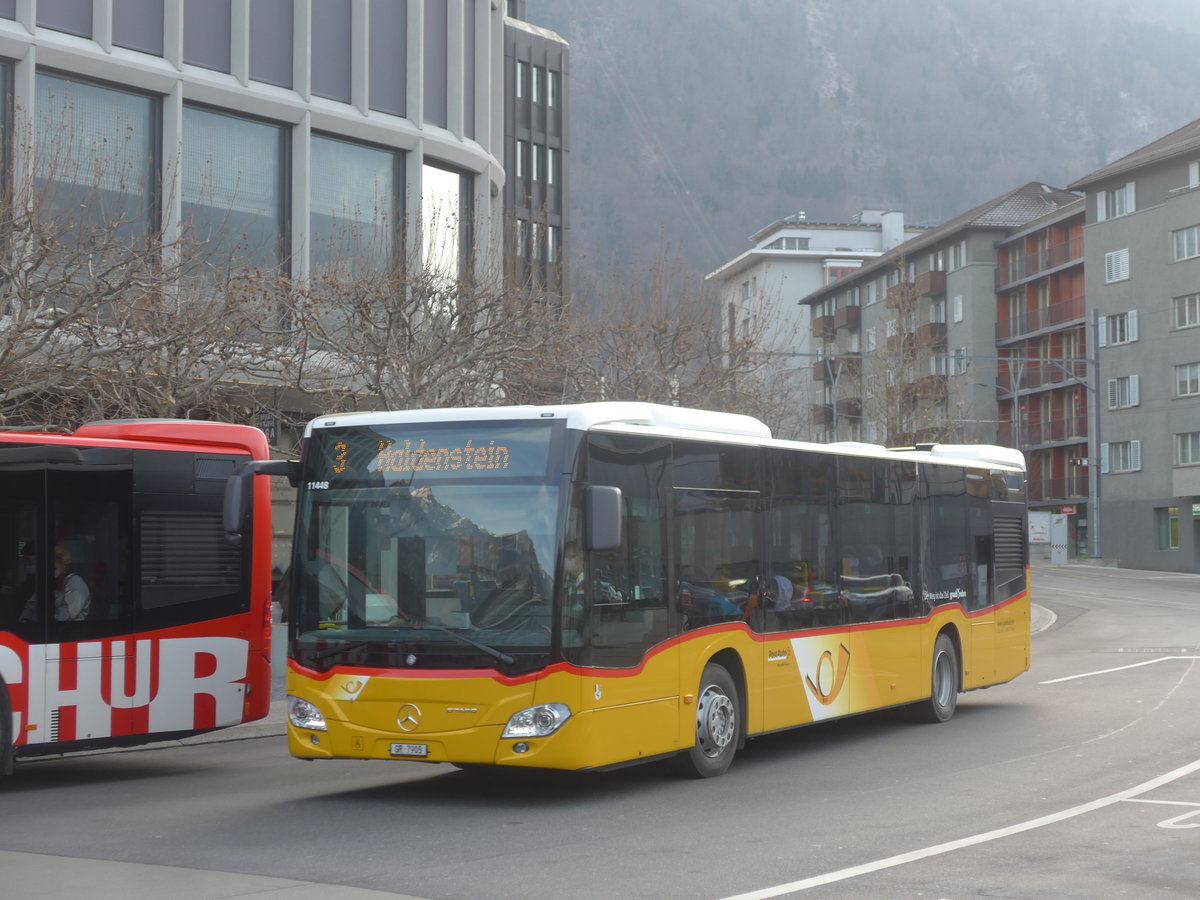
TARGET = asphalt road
(1081,779)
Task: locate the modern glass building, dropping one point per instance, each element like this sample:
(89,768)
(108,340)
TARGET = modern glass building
(297,134)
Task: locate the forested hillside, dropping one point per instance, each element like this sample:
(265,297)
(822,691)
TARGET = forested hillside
(694,124)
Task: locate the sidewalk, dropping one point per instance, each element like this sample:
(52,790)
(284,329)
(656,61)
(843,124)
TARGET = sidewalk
(33,876)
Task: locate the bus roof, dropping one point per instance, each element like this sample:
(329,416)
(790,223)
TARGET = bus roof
(677,421)
(583,416)
(192,435)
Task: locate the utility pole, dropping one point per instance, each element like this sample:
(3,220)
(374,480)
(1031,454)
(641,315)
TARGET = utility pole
(1094,545)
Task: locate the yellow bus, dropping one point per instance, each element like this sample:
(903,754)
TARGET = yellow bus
(587,586)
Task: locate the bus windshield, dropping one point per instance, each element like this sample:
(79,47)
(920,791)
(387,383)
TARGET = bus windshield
(403,560)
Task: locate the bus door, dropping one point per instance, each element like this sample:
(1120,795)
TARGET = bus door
(875,515)
(618,624)
(805,651)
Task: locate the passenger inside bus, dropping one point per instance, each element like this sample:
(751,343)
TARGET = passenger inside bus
(72,598)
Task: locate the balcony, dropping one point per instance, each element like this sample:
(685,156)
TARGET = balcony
(931,333)
(850,407)
(930,284)
(823,327)
(1065,430)
(848,317)
(1045,374)
(1060,313)
(836,368)
(1027,266)
(1072,487)
(931,387)
(822,415)
(898,294)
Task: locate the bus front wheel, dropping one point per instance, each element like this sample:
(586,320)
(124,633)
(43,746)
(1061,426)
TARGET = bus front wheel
(718,725)
(943,683)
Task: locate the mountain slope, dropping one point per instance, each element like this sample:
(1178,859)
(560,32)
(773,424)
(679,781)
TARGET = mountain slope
(695,124)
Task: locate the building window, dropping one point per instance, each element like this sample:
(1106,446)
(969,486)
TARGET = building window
(551,165)
(1119,329)
(536,93)
(96,155)
(535,162)
(553,88)
(1194,174)
(1187,242)
(1117,202)
(957,308)
(522,79)
(233,186)
(1123,392)
(937,261)
(1121,456)
(552,244)
(1166,527)
(1187,380)
(445,221)
(1186,311)
(353,217)
(1187,448)
(870,339)
(522,239)
(522,159)
(937,311)
(961,361)
(1116,265)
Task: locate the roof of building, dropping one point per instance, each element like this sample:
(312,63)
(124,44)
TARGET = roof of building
(1177,143)
(1010,210)
(798,221)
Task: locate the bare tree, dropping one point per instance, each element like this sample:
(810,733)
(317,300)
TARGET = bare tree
(903,386)
(657,334)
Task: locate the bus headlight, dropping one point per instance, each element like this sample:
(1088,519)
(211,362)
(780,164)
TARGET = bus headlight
(537,721)
(303,714)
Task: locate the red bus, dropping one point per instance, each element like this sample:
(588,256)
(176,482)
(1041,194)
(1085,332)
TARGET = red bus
(128,614)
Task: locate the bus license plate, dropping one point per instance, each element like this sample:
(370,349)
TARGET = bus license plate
(409,750)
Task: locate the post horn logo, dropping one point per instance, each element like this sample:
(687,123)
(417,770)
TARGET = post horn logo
(830,677)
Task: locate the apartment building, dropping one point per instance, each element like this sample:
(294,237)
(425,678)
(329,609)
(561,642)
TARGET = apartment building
(761,288)
(906,344)
(1044,386)
(1142,279)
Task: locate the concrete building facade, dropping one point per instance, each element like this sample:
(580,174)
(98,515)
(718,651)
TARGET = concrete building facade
(536,145)
(906,344)
(1142,277)
(761,289)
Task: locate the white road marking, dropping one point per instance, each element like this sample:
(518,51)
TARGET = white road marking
(1147,662)
(1175,821)
(950,846)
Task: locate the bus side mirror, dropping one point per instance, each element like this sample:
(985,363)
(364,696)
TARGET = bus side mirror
(602,507)
(237,490)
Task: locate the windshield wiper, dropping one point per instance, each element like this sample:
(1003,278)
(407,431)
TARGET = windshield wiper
(490,651)
(343,648)
(356,644)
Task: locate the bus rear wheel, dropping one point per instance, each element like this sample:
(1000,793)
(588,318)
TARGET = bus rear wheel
(718,726)
(943,683)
